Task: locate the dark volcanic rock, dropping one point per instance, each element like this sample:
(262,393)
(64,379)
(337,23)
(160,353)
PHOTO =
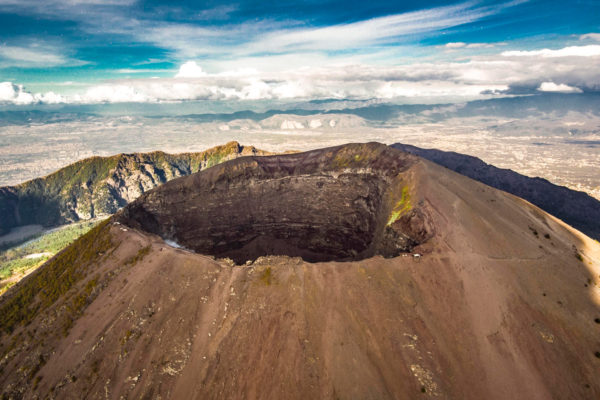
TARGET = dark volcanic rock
(329,204)
(577,209)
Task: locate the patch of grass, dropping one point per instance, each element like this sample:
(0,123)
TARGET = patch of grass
(36,381)
(266,276)
(127,336)
(216,155)
(343,159)
(14,267)
(138,257)
(403,206)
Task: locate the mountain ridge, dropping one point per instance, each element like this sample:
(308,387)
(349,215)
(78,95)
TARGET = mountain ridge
(101,185)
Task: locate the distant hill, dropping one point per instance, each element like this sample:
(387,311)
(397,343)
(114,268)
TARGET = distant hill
(577,209)
(101,185)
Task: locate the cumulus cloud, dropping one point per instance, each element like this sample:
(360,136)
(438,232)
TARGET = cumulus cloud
(571,51)
(16,94)
(113,94)
(190,70)
(561,88)
(478,76)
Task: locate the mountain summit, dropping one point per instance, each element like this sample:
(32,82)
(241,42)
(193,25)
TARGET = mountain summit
(357,271)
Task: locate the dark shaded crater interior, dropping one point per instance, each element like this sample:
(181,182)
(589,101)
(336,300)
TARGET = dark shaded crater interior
(319,216)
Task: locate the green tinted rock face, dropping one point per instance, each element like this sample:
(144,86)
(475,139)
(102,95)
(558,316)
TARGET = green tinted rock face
(101,185)
(401,206)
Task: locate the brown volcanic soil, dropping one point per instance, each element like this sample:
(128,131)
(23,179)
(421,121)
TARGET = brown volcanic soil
(493,309)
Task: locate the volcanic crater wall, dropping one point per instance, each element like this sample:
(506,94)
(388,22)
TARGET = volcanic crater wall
(329,204)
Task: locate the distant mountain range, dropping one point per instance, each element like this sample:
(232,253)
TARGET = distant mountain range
(525,105)
(577,209)
(101,185)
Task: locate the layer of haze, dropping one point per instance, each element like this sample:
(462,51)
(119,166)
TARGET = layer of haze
(553,136)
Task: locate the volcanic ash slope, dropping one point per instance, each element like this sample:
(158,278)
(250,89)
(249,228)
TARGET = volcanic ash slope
(503,302)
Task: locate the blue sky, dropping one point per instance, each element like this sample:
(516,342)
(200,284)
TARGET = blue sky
(90,51)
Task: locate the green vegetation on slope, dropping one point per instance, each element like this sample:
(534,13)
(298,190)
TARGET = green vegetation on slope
(59,274)
(17,261)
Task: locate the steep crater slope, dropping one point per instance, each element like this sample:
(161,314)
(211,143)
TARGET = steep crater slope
(342,203)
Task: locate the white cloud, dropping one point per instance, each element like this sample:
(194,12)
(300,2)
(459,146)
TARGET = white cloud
(58,7)
(16,94)
(29,55)
(561,88)
(217,13)
(113,94)
(480,45)
(35,54)
(461,45)
(190,70)
(571,51)
(475,77)
(591,36)
(455,45)
(255,38)
(375,31)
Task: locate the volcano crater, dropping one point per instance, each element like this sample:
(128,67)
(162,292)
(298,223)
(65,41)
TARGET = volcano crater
(329,207)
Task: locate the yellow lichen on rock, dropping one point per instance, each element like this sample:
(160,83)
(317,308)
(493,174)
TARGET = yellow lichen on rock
(401,206)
